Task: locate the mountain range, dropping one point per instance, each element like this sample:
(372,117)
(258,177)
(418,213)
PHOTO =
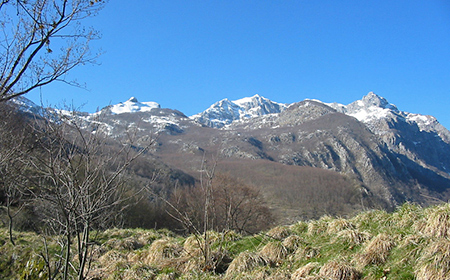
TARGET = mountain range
(307,158)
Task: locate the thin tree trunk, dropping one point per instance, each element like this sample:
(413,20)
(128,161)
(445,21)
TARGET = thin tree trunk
(67,261)
(10,223)
(84,251)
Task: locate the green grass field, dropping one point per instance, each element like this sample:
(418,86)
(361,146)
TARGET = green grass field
(410,243)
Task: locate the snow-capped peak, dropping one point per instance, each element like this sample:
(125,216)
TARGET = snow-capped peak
(370,107)
(132,105)
(225,111)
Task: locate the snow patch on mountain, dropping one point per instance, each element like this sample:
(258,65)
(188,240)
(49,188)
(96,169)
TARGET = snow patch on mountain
(26,105)
(132,105)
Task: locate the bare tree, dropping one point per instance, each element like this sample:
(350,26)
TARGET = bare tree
(222,204)
(41,41)
(225,204)
(79,174)
(14,137)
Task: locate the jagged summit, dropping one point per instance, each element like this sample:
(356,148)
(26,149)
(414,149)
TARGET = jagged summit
(372,99)
(133,99)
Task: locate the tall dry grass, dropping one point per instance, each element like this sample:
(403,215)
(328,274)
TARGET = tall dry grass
(437,221)
(434,264)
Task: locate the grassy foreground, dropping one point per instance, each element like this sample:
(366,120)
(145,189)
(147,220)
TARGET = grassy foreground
(411,243)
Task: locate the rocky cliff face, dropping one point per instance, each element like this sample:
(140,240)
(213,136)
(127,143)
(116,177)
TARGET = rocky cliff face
(419,141)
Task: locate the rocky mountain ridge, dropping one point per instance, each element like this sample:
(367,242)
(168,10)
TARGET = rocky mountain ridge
(388,156)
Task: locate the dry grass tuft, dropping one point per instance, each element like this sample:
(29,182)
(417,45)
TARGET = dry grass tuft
(147,237)
(279,232)
(406,215)
(338,225)
(245,262)
(367,219)
(192,245)
(339,271)
(320,226)
(299,227)
(305,271)
(139,272)
(376,251)
(230,236)
(279,275)
(111,261)
(161,250)
(438,222)
(414,245)
(434,264)
(352,236)
(293,242)
(129,243)
(274,252)
(166,276)
(305,253)
(111,257)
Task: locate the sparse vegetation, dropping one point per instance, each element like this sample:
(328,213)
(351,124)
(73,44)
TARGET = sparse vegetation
(371,245)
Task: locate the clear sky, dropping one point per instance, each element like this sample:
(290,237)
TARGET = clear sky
(186,55)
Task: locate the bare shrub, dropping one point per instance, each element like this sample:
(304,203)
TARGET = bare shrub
(231,205)
(42,41)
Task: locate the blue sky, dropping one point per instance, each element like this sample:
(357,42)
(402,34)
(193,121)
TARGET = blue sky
(186,55)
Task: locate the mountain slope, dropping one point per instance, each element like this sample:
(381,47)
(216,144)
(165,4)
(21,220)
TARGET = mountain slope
(385,155)
(422,142)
